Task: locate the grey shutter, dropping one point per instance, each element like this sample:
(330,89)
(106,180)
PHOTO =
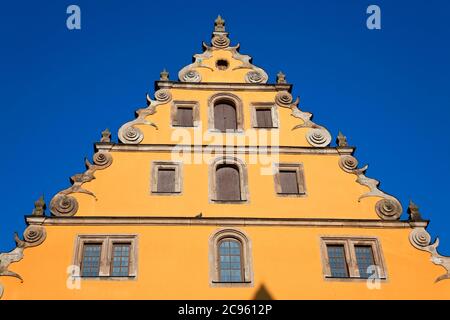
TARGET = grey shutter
(228,184)
(288,181)
(185,117)
(225,117)
(166,180)
(264,118)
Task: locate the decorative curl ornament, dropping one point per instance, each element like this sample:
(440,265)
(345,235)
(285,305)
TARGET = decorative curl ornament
(254,77)
(220,41)
(284,99)
(419,237)
(102,159)
(348,163)
(131,135)
(163,95)
(388,209)
(318,137)
(191,76)
(64,206)
(34,235)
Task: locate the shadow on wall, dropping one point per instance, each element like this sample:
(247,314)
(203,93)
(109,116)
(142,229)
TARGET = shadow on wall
(262,294)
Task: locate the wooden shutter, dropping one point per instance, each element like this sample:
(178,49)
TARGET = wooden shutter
(264,118)
(225,117)
(185,117)
(288,181)
(166,180)
(228,184)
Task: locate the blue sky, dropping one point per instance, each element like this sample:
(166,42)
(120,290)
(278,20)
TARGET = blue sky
(387,90)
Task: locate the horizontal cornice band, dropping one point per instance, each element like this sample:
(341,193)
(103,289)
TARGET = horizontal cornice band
(225,86)
(223,149)
(218,221)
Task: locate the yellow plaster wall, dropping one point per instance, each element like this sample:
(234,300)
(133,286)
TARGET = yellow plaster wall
(173,264)
(124,189)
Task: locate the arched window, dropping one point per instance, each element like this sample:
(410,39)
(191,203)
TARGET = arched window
(228,180)
(230,258)
(228,183)
(225,112)
(225,117)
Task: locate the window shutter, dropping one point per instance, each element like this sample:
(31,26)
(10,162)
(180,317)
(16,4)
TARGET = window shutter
(264,118)
(225,117)
(228,184)
(288,181)
(166,180)
(185,117)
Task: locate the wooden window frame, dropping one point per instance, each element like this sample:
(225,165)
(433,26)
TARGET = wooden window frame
(246,258)
(185,104)
(237,102)
(177,166)
(264,105)
(301,181)
(243,180)
(349,243)
(107,242)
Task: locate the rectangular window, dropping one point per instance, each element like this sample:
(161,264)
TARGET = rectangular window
(337,261)
(120,260)
(166,178)
(264,115)
(112,256)
(90,265)
(364,260)
(185,117)
(289,179)
(352,257)
(185,114)
(264,118)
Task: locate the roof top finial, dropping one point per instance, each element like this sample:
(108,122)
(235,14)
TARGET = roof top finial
(164,75)
(413,211)
(39,207)
(341,140)
(106,136)
(281,77)
(219,24)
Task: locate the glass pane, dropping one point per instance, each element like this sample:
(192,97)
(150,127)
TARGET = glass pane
(338,263)
(230,261)
(121,260)
(364,259)
(90,263)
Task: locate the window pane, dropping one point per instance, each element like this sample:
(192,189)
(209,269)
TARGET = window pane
(288,181)
(336,258)
(121,260)
(364,259)
(230,250)
(90,263)
(166,180)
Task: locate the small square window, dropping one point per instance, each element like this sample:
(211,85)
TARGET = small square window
(264,118)
(185,114)
(289,179)
(166,178)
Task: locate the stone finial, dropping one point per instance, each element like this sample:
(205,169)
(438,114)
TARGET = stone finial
(39,207)
(106,136)
(219,24)
(281,77)
(164,75)
(413,211)
(341,140)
